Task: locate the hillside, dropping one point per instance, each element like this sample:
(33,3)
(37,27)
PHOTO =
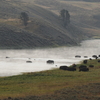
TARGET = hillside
(45,28)
(85,0)
(84,15)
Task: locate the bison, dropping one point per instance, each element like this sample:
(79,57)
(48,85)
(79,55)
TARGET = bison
(90,58)
(95,56)
(91,66)
(50,62)
(28,61)
(82,66)
(85,56)
(7,57)
(84,69)
(67,68)
(85,61)
(71,69)
(99,61)
(98,55)
(77,56)
(63,67)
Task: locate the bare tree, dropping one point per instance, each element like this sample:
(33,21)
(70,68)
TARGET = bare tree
(24,18)
(65,16)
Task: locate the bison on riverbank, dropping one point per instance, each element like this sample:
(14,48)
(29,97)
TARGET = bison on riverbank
(82,66)
(71,69)
(67,68)
(91,66)
(85,61)
(63,67)
(84,69)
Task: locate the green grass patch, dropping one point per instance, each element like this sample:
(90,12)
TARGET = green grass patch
(46,82)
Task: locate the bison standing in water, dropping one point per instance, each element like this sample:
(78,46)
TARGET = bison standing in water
(50,62)
(29,61)
(77,56)
(95,56)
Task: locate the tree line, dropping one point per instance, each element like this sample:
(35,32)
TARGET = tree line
(63,13)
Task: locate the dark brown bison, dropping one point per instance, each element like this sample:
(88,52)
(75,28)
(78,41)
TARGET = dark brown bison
(67,68)
(50,62)
(99,61)
(90,58)
(91,66)
(95,56)
(77,56)
(71,69)
(7,57)
(85,61)
(28,61)
(85,56)
(84,69)
(63,67)
(82,66)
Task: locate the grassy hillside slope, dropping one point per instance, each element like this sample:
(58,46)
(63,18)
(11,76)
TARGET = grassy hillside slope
(84,15)
(45,28)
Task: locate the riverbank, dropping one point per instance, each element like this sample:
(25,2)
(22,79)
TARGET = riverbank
(53,85)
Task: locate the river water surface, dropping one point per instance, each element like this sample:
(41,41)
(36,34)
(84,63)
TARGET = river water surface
(16,63)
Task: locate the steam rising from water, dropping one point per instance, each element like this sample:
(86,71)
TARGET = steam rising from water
(16,63)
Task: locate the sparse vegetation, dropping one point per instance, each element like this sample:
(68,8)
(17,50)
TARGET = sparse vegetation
(46,29)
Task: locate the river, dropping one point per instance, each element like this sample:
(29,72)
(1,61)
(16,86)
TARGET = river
(13,62)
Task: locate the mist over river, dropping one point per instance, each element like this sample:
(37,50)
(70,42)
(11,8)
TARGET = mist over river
(16,62)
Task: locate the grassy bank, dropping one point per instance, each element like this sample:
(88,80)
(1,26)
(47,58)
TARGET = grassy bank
(48,82)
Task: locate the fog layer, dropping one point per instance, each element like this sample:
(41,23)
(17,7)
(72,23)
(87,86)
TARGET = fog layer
(13,62)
